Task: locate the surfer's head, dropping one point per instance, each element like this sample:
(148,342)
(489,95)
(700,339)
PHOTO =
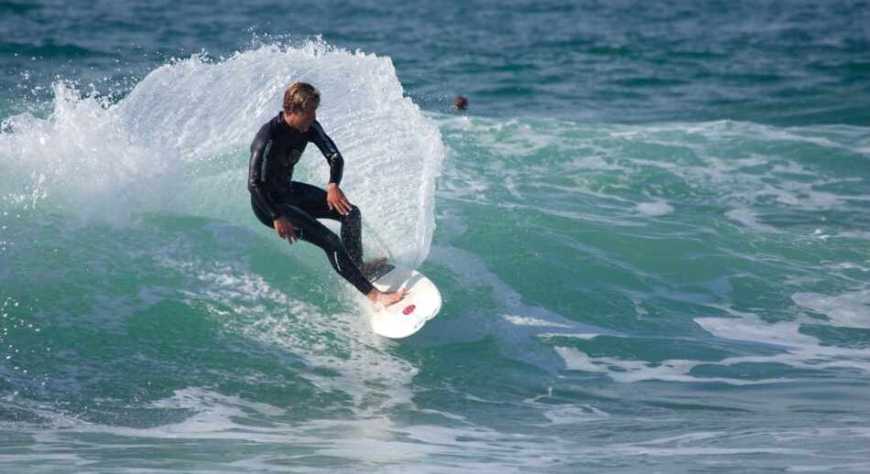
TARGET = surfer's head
(460,103)
(301,100)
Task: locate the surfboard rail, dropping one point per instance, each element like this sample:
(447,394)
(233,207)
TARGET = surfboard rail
(421,303)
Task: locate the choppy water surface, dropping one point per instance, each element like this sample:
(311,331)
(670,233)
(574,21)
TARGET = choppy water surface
(650,230)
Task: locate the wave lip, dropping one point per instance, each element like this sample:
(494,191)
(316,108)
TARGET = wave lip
(179,142)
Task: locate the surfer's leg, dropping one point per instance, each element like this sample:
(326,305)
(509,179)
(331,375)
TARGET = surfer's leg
(308,229)
(312,200)
(351,234)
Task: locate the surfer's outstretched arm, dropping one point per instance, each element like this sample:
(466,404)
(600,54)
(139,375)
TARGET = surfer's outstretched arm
(335,197)
(329,150)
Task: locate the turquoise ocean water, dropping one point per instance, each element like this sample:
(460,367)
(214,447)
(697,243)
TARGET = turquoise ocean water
(650,229)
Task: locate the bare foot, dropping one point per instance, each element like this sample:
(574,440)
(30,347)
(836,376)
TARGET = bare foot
(386,299)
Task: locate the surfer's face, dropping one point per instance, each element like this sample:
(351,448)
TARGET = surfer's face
(301,120)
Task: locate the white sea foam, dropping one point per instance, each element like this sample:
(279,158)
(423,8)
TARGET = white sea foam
(655,208)
(748,218)
(628,371)
(795,349)
(570,335)
(528,321)
(579,360)
(564,413)
(846,310)
(783,333)
(799,350)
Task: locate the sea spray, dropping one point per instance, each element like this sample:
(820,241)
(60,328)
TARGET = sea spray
(178,142)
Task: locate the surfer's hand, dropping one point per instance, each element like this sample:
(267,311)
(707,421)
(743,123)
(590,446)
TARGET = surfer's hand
(285,229)
(335,199)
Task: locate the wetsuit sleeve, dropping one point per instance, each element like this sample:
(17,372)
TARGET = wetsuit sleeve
(329,150)
(257,172)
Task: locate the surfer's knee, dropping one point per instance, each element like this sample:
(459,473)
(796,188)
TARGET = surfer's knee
(354,214)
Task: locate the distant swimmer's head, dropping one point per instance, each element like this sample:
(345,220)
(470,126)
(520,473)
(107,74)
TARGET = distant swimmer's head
(460,103)
(301,100)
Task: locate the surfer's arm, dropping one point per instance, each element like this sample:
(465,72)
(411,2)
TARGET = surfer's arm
(257,175)
(329,150)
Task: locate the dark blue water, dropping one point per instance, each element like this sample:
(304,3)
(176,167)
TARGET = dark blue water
(787,63)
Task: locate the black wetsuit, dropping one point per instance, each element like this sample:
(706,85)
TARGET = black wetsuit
(274,152)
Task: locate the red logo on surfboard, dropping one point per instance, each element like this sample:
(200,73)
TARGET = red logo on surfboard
(409,309)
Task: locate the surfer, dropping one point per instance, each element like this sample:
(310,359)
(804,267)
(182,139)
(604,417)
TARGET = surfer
(292,207)
(460,103)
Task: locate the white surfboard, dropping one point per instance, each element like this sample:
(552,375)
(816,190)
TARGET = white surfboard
(420,304)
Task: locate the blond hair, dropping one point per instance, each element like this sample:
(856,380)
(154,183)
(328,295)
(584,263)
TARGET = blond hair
(301,97)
